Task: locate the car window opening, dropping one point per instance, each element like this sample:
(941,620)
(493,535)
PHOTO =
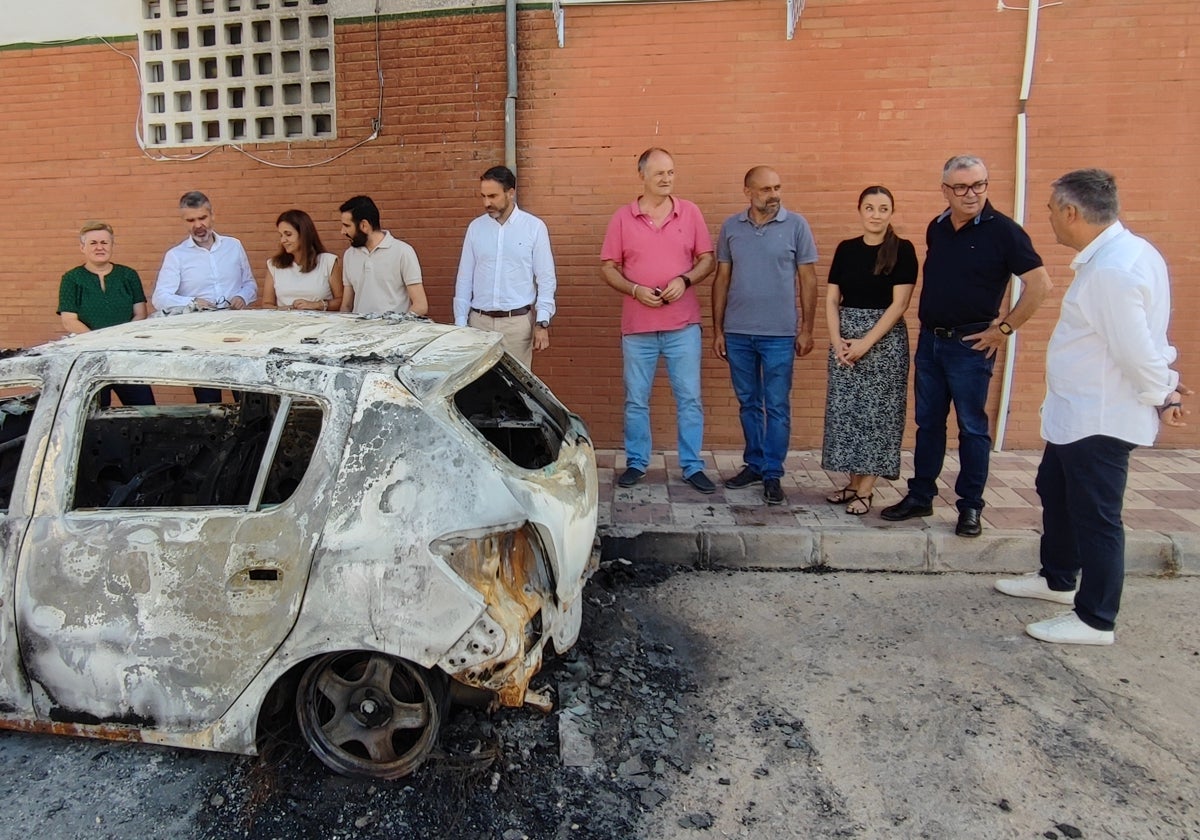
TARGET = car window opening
(16,413)
(516,415)
(202,455)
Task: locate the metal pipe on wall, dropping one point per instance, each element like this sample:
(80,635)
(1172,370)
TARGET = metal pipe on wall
(510,100)
(1019,202)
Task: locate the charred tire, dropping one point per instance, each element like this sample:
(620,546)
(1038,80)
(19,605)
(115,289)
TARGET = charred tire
(368,714)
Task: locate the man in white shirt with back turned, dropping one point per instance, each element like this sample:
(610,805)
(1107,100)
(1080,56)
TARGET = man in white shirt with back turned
(506,279)
(1108,387)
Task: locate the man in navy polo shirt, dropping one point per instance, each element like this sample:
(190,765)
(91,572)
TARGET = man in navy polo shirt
(971,252)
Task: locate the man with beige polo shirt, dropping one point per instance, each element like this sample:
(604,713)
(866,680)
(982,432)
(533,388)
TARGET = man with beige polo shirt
(381,273)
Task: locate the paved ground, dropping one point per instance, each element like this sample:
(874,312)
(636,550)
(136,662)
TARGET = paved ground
(663,516)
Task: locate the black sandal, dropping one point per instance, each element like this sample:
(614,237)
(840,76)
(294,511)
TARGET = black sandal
(841,497)
(866,500)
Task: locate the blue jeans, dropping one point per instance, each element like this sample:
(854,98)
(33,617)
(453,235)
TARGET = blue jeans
(761,369)
(947,370)
(681,348)
(1082,488)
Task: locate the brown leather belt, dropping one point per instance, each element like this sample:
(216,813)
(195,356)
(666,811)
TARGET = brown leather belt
(504,313)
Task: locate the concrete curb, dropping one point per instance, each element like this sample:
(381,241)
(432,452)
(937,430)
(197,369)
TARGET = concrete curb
(911,550)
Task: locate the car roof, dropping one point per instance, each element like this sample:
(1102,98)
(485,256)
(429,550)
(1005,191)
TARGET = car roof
(315,336)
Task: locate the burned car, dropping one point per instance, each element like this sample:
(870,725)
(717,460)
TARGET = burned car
(376,511)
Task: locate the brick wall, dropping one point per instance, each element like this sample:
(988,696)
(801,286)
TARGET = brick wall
(866,93)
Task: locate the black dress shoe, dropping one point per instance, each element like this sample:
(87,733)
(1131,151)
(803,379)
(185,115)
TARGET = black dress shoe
(968,523)
(743,479)
(630,477)
(906,508)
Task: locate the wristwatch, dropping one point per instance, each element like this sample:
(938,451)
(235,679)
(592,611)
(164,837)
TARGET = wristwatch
(544,324)
(1005,328)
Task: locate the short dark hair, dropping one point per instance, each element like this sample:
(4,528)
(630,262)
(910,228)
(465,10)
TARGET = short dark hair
(645,156)
(1092,191)
(193,200)
(502,175)
(362,209)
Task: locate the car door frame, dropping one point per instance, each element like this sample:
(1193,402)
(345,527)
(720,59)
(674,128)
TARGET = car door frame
(153,617)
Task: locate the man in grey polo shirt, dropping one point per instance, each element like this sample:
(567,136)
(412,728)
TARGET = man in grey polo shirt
(765,256)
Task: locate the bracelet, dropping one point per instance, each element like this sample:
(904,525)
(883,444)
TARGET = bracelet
(687,281)
(1163,408)
(324,306)
(633,287)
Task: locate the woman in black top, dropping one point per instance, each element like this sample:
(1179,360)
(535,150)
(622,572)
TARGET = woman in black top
(870,284)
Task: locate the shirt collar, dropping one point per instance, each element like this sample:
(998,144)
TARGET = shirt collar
(744,216)
(192,242)
(1107,235)
(516,211)
(984,215)
(386,242)
(636,208)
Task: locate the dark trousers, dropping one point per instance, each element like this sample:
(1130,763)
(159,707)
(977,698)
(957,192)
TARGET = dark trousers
(127,394)
(1082,488)
(947,370)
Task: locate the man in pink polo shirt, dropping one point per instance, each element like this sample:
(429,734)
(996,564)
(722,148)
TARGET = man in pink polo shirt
(656,249)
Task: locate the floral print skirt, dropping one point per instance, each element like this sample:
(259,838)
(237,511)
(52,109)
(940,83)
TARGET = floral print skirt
(865,403)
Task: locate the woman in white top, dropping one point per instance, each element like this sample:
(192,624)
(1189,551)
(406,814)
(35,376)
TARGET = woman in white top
(303,275)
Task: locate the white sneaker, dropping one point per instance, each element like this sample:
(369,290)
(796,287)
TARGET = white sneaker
(1069,629)
(1033,585)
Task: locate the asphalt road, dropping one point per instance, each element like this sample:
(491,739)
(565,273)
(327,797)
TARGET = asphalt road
(810,706)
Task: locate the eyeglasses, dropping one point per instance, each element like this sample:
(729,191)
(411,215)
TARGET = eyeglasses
(979,188)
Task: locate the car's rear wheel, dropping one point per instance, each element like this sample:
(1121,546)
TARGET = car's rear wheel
(369,714)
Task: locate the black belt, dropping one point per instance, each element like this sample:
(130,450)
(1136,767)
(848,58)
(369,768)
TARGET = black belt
(504,313)
(960,331)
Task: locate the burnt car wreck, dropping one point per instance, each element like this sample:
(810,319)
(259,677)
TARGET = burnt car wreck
(376,513)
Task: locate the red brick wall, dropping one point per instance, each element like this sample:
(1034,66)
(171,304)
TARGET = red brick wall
(867,92)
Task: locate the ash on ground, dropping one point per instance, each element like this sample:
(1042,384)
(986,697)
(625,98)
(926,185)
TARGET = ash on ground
(608,754)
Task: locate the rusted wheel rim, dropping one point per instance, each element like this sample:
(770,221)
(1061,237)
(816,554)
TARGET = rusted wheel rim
(369,714)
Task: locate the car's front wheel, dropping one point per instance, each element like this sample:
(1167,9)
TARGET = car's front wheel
(368,714)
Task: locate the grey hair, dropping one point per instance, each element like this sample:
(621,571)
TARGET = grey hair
(194,200)
(962,162)
(1093,192)
(645,157)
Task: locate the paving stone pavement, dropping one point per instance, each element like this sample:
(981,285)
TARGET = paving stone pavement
(664,518)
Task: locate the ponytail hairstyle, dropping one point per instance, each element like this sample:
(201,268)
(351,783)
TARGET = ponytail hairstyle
(890,249)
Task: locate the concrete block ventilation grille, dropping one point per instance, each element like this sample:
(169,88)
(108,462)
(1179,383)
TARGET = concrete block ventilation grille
(237,71)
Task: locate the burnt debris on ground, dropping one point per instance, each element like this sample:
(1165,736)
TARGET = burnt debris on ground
(608,754)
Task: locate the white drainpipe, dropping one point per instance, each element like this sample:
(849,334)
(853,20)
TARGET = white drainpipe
(1019,200)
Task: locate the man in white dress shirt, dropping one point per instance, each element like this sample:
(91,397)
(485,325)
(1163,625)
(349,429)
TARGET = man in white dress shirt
(1108,387)
(205,271)
(506,279)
